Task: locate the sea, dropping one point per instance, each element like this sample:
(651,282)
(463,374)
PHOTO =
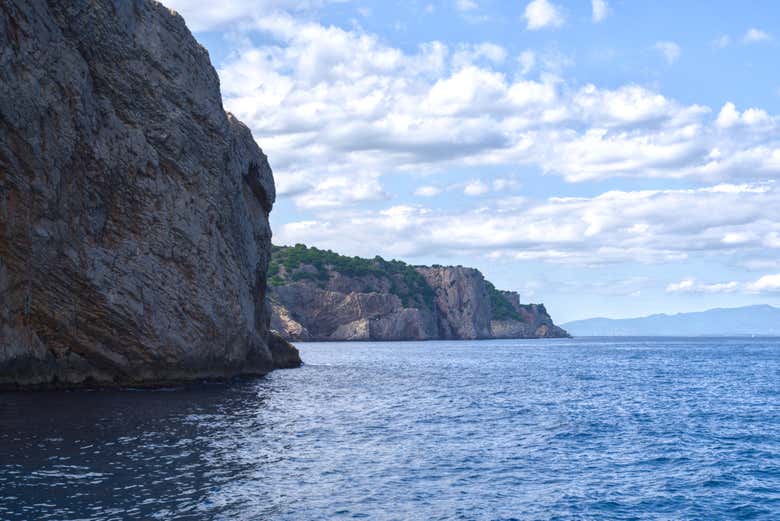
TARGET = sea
(587,428)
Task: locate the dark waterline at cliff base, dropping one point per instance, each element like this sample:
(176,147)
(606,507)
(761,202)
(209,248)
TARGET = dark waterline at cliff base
(556,429)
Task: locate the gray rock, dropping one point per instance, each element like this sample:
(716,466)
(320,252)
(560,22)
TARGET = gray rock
(462,302)
(284,354)
(339,306)
(134,235)
(306,312)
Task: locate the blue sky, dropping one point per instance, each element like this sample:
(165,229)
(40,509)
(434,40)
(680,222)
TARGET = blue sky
(605,157)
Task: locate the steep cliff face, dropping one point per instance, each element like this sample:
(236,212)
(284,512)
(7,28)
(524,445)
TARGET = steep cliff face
(462,301)
(320,295)
(529,320)
(134,235)
(335,315)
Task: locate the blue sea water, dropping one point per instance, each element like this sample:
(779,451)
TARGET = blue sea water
(559,429)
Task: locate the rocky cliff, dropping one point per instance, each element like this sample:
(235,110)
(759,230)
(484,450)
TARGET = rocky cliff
(134,236)
(320,295)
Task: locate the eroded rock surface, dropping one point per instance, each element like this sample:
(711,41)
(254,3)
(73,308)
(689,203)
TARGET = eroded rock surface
(134,235)
(320,295)
(462,302)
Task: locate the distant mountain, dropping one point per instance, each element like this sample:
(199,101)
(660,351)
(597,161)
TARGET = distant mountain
(761,320)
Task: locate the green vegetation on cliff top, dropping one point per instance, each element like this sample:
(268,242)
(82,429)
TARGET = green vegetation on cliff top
(405,282)
(502,308)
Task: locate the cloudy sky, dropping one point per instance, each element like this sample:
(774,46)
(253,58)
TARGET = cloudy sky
(607,157)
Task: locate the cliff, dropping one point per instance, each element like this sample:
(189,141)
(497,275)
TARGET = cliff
(320,295)
(134,235)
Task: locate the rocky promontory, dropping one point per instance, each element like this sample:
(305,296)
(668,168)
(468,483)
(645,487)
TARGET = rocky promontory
(320,295)
(134,235)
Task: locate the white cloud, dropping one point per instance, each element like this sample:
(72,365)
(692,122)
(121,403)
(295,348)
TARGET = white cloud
(336,191)
(754,35)
(527,61)
(729,117)
(467,55)
(682,286)
(691,286)
(465,5)
(600,10)
(651,226)
(540,14)
(767,283)
(503,184)
(670,50)
(475,188)
(204,15)
(328,102)
(427,191)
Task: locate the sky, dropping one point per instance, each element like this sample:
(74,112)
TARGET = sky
(606,157)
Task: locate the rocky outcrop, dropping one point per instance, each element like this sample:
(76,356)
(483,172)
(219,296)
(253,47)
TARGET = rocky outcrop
(325,314)
(283,353)
(462,302)
(281,320)
(134,235)
(319,295)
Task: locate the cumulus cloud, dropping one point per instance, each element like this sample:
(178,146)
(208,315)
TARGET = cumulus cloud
(324,101)
(754,35)
(527,61)
(336,191)
(649,226)
(670,51)
(692,286)
(427,191)
(502,184)
(540,14)
(467,55)
(475,188)
(203,15)
(766,284)
(465,5)
(729,117)
(600,10)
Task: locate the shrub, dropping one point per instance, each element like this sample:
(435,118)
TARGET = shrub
(501,307)
(405,281)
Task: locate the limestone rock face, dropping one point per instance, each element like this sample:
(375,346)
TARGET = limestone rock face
(282,321)
(320,295)
(326,314)
(134,235)
(462,302)
(534,321)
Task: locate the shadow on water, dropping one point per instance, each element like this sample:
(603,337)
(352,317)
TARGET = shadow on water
(114,454)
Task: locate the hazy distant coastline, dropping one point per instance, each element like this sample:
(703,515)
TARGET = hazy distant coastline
(760,320)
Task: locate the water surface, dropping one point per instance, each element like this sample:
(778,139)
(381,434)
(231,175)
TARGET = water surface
(555,429)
